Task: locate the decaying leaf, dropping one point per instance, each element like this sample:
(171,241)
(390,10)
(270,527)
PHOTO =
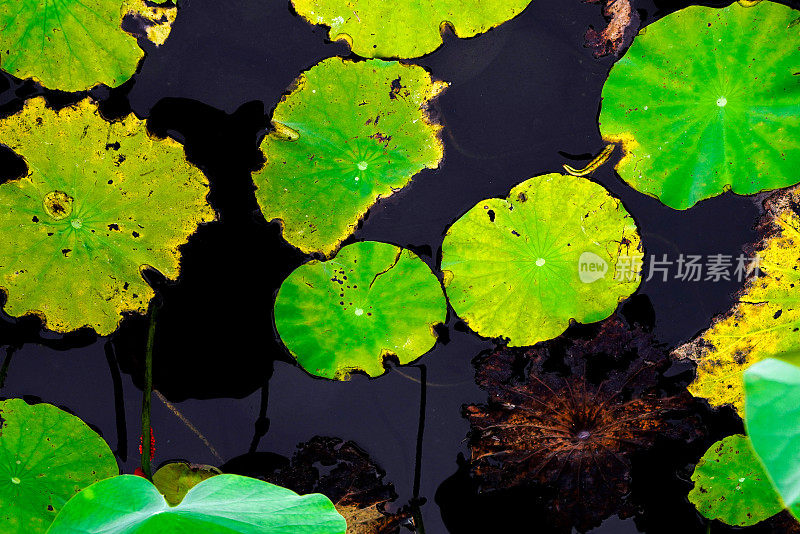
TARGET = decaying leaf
(349,134)
(766,320)
(568,414)
(101,202)
(345,474)
(73,46)
(623,24)
(377,28)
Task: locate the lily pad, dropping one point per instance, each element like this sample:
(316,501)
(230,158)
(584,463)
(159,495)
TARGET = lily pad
(220,505)
(766,319)
(707,100)
(175,479)
(46,457)
(772,395)
(71,45)
(730,484)
(349,134)
(570,414)
(558,248)
(371,301)
(375,28)
(101,202)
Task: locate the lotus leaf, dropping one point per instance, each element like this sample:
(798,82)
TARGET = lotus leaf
(558,248)
(351,133)
(223,504)
(101,201)
(376,28)
(730,484)
(371,301)
(72,45)
(772,397)
(175,479)
(766,319)
(46,457)
(707,100)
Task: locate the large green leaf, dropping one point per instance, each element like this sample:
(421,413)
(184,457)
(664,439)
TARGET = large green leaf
(223,504)
(377,28)
(707,100)
(73,45)
(371,301)
(46,457)
(351,133)
(558,248)
(100,202)
(730,484)
(772,416)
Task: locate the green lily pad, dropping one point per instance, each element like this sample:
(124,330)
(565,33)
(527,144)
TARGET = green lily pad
(175,479)
(100,202)
(559,248)
(351,133)
(371,301)
(223,504)
(707,100)
(730,484)
(375,28)
(46,457)
(72,45)
(772,395)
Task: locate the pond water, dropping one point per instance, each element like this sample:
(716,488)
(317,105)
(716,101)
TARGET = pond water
(523,99)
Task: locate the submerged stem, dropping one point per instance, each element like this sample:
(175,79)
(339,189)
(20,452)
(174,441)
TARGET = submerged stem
(147,393)
(416,501)
(6,363)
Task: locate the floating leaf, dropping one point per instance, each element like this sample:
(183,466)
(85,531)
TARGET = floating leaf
(101,201)
(220,505)
(707,100)
(772,395)
(371,301)
(568,415)
(558,248)
(341,471)
(766,319)
(350,133)
(374,28)
(46,457)
(175,479)
(730,484)
(72,45)
(153,21)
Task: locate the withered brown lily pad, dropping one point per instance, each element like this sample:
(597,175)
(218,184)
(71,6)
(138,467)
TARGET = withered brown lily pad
(569,413)
(344,473)
(623,24)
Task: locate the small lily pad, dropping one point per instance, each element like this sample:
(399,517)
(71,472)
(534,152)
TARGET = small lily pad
(371,301)
(46,457)
(101,202)
(707,100)
(73,46)
(175,479)
(772,395)
(223,504)
(730,484)
(559,248)
(351,133)
(766,319)
(375,28)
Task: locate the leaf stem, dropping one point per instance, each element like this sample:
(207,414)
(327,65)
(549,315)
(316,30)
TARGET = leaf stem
(6,363)
(416,501)
(147,393)
(593,165)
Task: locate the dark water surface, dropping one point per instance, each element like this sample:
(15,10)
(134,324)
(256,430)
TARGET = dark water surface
(524,98)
